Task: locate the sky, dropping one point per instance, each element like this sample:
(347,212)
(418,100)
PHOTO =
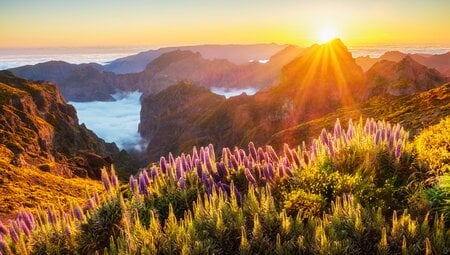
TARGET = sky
(94,23)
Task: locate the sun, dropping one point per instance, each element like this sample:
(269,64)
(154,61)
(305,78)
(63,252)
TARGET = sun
(326,34)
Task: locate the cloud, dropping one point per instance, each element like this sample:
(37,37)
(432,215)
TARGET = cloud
(232,92)
(115,121)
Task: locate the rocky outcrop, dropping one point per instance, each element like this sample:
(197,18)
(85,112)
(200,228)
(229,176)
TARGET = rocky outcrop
(39,129)
(169,119)
(401,78)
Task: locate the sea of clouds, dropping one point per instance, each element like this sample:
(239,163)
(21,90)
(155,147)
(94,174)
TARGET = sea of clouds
(115,121)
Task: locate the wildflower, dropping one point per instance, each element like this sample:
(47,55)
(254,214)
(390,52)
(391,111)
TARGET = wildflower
(67,231)
(13,234)
(171,160)
(198,166)
(398,150)
(78,212)
(114,179)
(153,172)
(3,230)
(3,246)
(261,155)
(182,183)
(132,184)
(249,177)
(221,169)
(306,157)
(142,185)
(23,227)
(252,150)
(272,154)
(91,203)
(295,157)
(209,165)
(337,129)
(324,136)
(234,162)
(211,152)
(163,164)
(377,137)
(51,216)
(105,180)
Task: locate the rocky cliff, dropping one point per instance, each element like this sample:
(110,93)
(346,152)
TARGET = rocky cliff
(39,129)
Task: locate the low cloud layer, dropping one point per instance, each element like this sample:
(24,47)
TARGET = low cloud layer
(115,121)
(233,92)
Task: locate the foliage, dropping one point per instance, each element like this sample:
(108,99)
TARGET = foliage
(347,193)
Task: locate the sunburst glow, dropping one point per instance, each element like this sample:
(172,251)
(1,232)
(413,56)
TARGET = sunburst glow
(326,34)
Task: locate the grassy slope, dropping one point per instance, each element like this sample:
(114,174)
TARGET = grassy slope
(30,188)
(413,112)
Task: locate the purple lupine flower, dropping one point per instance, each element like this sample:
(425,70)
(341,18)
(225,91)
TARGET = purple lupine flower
(286,162)
(23,227)
(13,234)
(153,172)
(189,162)
(182,183)
(281,171)
(287,152)
(391,141)
(246,162)
(171,160)
(243,154)
(221,169)
(234,162)
(237,155)
(337,129)
(398,150)
(178,168)
(306,157)
(272,154)
(114,179)
(350,129)
(3,230)
(249,177)
(184,162)
(194,154)
(324,136)
(96,198)
(251,162)
(212,154)
(378,137)
(145,177)
(268,172)
(367,127)
(202,155)
(163,164)
(314,147)
(224,155)
(132,184)
(142,185)
(91,203)
(51,216)
(252,150)
(67,231)
(288,171)
(296,158)
(27,218)
(261,155)
(105,180)
(209,165)
(331,149)
(216,177)
(198,166)
(373,126)
(3,246)
(78,212)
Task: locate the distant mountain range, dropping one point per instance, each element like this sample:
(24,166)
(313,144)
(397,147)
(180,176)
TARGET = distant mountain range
(93,82)
(440,62)
(321,80)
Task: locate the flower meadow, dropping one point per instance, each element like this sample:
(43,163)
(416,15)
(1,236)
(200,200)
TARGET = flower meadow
(362,189)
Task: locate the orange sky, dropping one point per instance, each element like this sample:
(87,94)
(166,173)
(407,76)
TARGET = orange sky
(52,23)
